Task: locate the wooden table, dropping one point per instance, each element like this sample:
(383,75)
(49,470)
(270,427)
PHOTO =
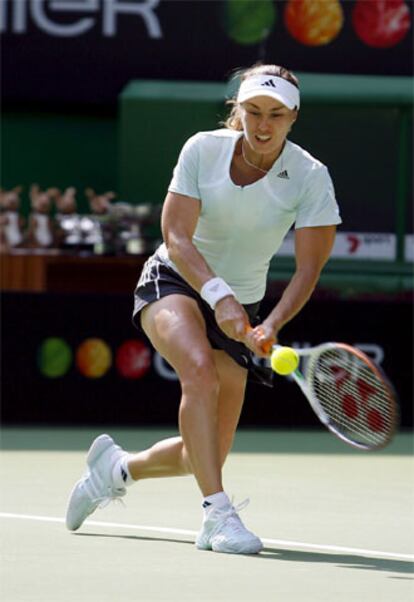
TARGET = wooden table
(55,271)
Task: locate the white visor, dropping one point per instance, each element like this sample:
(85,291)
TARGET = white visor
(270,85)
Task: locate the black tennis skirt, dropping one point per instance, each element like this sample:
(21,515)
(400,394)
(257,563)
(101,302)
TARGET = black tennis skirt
(158,280)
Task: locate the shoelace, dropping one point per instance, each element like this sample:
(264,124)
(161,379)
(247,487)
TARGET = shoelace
(114,495)
(232,514)
(240,506)
(109,496)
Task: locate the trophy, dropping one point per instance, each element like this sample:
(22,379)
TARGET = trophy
(134,227)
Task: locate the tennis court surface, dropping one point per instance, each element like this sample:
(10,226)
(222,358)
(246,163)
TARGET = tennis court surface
(337,523)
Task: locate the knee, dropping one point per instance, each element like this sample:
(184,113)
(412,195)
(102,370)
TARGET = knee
(200,378)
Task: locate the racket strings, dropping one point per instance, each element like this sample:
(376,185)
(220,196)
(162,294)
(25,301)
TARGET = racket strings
(354,397)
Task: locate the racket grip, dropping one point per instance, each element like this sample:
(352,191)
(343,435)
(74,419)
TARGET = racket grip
(266,348)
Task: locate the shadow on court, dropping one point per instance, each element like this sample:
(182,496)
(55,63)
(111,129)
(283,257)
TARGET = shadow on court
(269,553)
(341,560)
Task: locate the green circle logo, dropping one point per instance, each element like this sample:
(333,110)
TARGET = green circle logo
(249,21)
(54,357)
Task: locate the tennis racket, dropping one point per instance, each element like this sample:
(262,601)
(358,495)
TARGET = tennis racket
(349,394)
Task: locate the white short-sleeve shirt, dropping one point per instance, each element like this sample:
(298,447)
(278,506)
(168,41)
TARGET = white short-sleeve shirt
(240,228)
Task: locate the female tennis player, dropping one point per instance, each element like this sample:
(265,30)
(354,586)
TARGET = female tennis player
(234,195)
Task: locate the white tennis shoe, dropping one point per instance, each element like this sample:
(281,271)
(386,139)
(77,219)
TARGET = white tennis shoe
(223,531)
(96,487)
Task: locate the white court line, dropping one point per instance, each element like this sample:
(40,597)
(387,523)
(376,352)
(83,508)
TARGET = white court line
(278,542)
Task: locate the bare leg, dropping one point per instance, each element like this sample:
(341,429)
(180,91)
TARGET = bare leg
(168,458)
(212,394)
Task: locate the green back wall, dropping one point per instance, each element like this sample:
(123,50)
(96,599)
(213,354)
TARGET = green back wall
(59,149)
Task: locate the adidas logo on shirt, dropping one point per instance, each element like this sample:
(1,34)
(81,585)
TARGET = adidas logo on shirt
(283,174)
(269,82)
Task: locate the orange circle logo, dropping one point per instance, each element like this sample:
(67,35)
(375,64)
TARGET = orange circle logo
(314,22)
(93,358)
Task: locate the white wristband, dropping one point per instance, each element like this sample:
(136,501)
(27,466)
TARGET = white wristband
(214,290)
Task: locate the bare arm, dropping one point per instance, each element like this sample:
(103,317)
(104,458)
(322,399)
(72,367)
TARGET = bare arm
(312,250)
(179,220)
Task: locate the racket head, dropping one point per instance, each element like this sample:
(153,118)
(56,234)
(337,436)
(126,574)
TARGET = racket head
(352,396)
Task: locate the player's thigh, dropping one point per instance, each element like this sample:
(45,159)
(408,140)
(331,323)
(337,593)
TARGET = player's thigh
(177,330)
(232,379)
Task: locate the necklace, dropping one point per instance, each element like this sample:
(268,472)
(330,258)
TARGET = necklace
(248,162)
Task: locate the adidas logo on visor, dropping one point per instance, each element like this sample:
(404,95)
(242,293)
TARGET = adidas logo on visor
(269,82)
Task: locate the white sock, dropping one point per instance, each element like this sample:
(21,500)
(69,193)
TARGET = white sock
(216,500)
(120,473)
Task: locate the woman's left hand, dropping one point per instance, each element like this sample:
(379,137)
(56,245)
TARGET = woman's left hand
(260,340)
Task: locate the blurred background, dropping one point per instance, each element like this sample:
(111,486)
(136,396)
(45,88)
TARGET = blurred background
(98,98)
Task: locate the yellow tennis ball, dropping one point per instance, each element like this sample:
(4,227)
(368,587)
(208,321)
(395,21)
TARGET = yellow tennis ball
(284,360)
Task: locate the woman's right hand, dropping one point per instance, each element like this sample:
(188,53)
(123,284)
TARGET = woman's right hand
(232,318)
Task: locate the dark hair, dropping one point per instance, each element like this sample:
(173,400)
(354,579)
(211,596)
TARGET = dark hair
(233,122)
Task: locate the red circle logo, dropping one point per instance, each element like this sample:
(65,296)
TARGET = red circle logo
(133,359)
(381,24)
